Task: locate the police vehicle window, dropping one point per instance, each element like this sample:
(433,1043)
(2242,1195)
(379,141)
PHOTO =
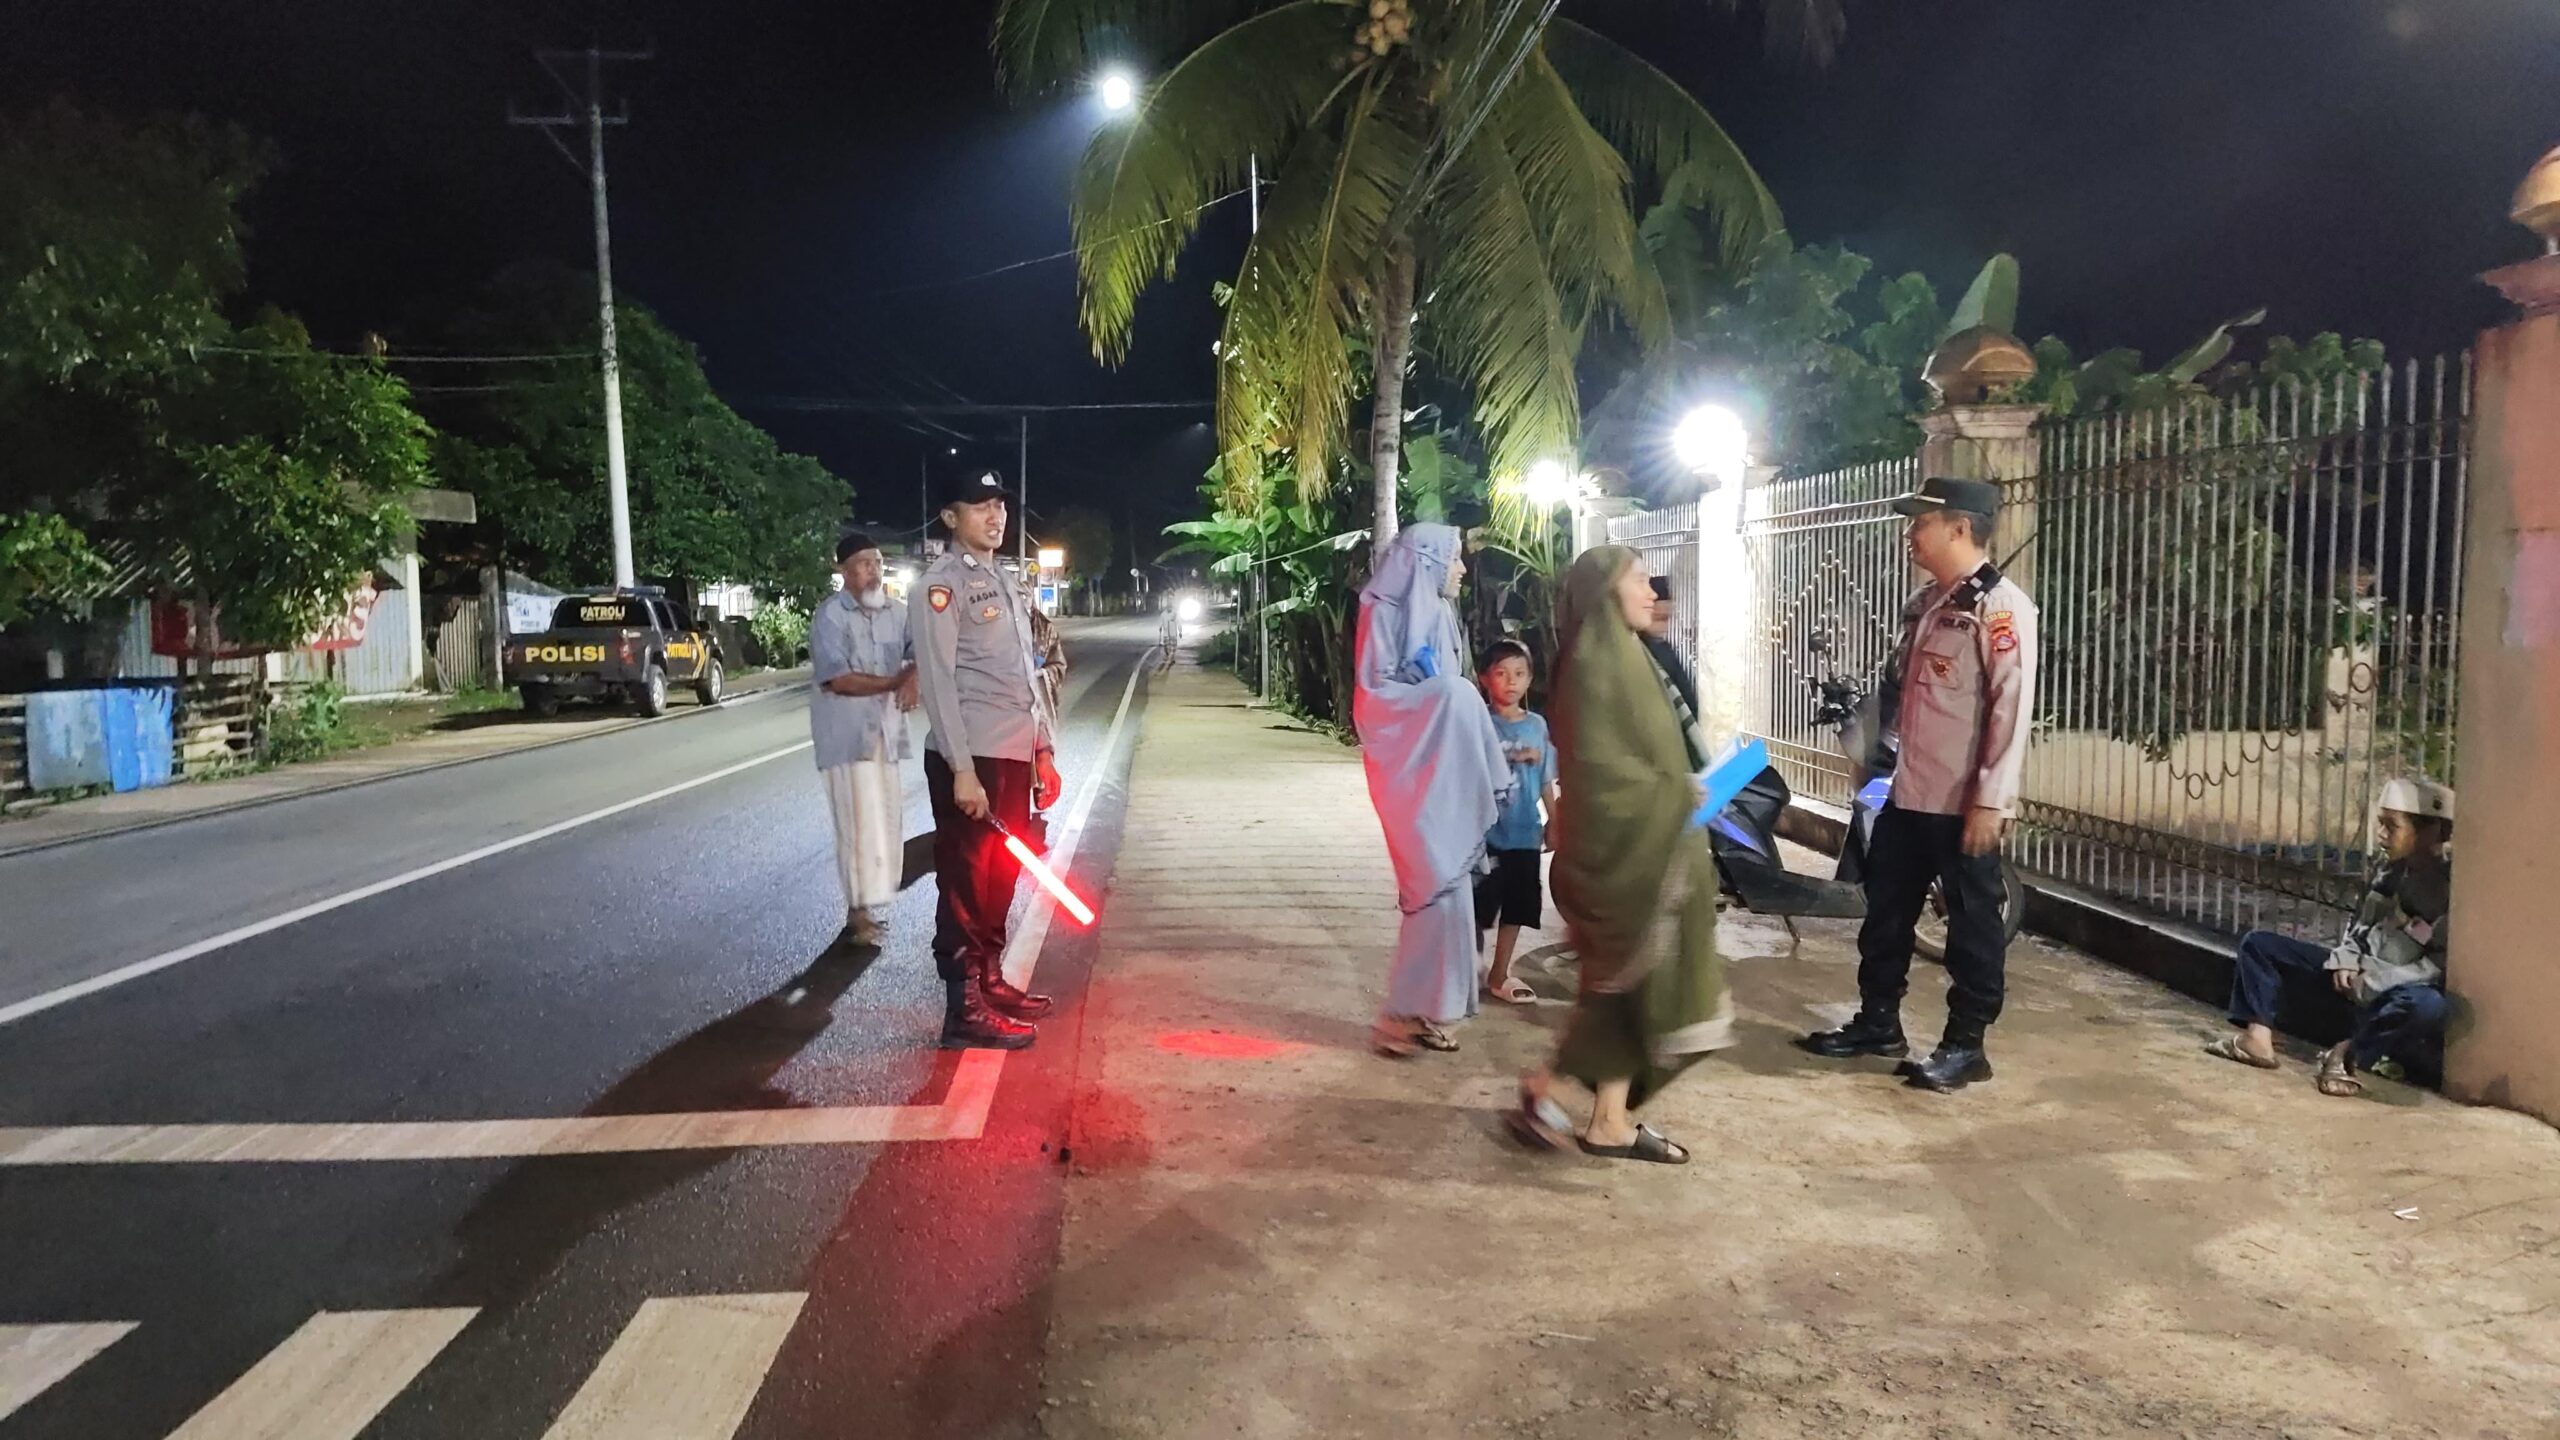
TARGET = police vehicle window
(666,615)
(601,611)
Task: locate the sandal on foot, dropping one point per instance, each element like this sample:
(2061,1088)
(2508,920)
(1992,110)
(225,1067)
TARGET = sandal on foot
(2336,1079)
(1512,991)
(2228,1048)
(1432,1037)
(1394,1039)
(1539,1122)
(1649,1145)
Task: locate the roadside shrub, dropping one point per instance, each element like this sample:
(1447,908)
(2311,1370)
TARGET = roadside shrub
(782,632)
(306,724)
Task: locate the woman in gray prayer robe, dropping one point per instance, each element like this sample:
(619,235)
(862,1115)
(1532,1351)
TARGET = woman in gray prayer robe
(1436,774)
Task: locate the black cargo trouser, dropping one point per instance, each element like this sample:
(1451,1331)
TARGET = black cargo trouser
(1907,851)
(970,864)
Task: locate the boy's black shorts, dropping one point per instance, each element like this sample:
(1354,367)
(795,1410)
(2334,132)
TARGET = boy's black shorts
(1510,895)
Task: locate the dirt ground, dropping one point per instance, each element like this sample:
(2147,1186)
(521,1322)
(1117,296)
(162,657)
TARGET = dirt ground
(1273,1233)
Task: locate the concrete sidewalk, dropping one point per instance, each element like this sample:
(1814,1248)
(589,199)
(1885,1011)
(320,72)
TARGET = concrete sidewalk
(1271,1232)
(477,738)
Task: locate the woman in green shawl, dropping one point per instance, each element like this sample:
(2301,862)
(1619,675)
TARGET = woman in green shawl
(1633,877)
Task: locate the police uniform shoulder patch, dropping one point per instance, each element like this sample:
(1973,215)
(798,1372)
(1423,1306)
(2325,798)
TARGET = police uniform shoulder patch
(939,597)
(2003,626)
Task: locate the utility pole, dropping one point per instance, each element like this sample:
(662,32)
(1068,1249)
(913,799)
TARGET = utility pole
(1262,562)
(1022,492)
(617,479)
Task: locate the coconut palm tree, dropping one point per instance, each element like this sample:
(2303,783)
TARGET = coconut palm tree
(1471,161)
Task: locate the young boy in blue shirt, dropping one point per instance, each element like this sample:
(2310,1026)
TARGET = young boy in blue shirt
(1509,897)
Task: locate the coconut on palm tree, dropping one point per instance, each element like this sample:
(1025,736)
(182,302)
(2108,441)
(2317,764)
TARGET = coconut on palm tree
(1469,162)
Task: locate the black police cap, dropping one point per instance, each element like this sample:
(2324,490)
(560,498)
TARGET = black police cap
(1974,497)
(972,485)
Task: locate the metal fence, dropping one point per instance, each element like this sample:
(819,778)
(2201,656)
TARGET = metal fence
(2248,624)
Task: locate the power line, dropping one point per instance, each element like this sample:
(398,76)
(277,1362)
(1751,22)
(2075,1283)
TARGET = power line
(1067,254)
(270,352)
(824,404)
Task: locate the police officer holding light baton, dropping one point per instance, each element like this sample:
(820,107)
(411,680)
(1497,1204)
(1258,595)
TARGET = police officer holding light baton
(1959,693)
(988,758)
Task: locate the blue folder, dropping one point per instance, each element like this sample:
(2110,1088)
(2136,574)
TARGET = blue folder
(1734,767)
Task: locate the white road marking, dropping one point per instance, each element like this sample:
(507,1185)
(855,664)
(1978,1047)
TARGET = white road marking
(38,1004)
(33,1358)
(328,1379)
(962,1114)
(1022,952)
(683,1369)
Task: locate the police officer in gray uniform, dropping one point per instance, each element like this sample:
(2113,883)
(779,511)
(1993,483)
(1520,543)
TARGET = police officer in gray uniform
(988,757)
(1959,692)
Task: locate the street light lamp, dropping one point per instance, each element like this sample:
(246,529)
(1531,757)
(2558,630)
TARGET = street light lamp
(1117,91)
(1710,442)
(1548,485)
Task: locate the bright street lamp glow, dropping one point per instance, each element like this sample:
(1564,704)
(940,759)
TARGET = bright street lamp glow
(1547,485)
(1188,611)
(1710,441)
(1119,92)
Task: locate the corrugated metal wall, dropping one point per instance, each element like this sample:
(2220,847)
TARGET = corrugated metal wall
(385,664)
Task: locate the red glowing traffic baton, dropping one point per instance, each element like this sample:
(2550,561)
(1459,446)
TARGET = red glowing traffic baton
(1048,878)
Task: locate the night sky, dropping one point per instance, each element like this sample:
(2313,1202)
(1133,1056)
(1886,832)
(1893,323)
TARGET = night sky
(800,180)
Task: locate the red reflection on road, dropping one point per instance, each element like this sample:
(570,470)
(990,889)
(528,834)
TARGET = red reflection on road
(1223,1045)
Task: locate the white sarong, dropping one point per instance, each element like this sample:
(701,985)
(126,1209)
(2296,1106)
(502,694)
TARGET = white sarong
(870,850)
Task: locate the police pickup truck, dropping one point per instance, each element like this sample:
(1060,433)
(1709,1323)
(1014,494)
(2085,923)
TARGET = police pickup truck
(614,644)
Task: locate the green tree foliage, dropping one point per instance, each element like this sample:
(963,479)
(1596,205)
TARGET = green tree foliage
(257,473)
(41,555)
(1469,164)
(277,479)
(712,496)
(1090,540)
(119,242)
(1825,363)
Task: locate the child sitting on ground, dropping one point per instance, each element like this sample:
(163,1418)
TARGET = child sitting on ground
(2391,963)
(1509,897)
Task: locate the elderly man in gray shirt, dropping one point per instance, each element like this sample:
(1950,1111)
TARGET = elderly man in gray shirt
(863,663)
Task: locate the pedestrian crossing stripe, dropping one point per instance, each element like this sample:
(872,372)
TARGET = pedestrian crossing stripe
(962,1115)
(684,1368)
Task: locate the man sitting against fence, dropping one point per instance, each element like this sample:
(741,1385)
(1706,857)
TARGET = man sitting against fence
(2391,963)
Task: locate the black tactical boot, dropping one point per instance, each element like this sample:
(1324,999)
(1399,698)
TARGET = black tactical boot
(1952,1067)
(1868,1034)
(1005,999)
(969,1024)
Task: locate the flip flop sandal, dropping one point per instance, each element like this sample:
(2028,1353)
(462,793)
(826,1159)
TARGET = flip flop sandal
(2335,1079)
(2228,1048)
(1539,1123)
(1432,1037)
(1514,991)
(1650,1145)
(1394,1039)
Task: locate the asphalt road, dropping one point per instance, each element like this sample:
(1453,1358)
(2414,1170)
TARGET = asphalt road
(582,974)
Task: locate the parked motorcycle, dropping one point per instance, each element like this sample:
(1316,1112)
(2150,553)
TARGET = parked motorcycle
(1744,834)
